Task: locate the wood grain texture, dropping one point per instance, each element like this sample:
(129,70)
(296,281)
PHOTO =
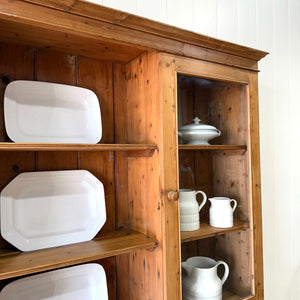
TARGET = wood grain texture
(133,149)
(206,231)
(16,63)
(228,149)
(170,178)
(24,34)
(209,71)
(235,249)
(98,76)
(144,192)
(139,104)
(58,68)
(232,108)
(256,186)
(60,21)
(134,22)
(15,263)
(121,176)
(230,296)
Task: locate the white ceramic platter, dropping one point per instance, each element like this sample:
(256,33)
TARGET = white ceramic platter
(53,208)
(84,282)
(44,112)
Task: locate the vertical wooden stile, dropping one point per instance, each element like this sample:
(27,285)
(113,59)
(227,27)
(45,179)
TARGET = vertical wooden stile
(169,155)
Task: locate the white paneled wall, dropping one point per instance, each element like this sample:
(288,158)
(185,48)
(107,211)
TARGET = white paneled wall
(273,26)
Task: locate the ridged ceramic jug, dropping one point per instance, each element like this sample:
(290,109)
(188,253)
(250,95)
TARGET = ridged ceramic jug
(189,209)
(200,280)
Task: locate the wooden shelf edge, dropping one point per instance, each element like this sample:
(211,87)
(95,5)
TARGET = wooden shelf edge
(206,231)
(231,296)
(145,149)
(234,149)
(16,263)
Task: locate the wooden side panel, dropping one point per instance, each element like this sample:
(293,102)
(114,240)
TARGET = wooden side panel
(255,187)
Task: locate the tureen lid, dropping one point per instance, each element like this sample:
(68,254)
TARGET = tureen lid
(197,126)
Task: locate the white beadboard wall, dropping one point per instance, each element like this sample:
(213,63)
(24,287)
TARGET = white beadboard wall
(273,26)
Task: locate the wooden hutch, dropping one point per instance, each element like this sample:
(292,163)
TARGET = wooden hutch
(150,79)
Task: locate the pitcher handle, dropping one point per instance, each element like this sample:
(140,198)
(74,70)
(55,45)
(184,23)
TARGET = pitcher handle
(186,268)
(204,199)
(235,204)
(226,272)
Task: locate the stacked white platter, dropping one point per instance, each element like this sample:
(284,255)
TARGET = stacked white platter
(44,112)
(84,282)
(52,208)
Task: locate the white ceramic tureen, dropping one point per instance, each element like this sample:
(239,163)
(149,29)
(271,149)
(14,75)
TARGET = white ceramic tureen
(198,133)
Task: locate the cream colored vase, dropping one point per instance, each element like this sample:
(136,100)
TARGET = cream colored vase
(200,280)
(189,209)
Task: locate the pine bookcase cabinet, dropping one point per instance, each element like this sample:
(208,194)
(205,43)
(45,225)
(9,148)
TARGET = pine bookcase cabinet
(150,79)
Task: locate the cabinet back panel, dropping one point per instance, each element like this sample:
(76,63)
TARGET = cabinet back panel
(231,179)
(19,62)
(220,104)
(229,113)
(236,250)
(15,63)
(205,247)
(225,106)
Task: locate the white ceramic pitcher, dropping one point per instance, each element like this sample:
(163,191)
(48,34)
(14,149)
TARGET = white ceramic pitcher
(221,212)
(189,209)
(200,280)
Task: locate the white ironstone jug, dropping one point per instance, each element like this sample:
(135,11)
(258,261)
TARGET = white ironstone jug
(221,212)
(200,280)
(189,209)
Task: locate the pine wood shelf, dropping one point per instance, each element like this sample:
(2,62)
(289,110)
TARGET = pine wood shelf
(16,263)
(230,296)
(132,149)
(206,231)
(233,149)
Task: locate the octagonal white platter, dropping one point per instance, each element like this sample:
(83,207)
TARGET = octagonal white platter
(52,208)
(86,281)
(44,112)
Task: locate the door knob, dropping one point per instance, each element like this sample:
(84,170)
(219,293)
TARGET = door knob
(173,195)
